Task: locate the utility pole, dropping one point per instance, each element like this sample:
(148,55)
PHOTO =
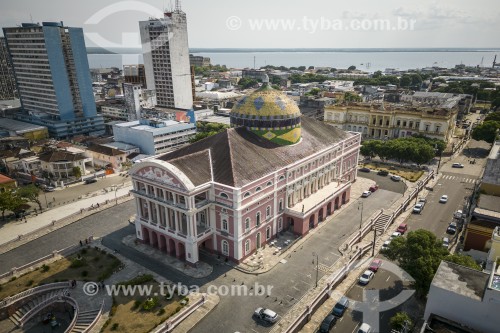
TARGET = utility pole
(317,267)
(374,238)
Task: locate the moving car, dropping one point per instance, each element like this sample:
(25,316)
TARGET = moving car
(452,228)
(395,234)
(402,228)
(418,208)
(266,315)
(327,323)
(364,170)
(365,328)
(386,244)
(395,178)
(366,277)
(90,181)
(446,242)
(373,188)
(457,165)
(443,199)
(366,194)
(375,265)
(341,306)
(383,173)
(49,189)
(458,214)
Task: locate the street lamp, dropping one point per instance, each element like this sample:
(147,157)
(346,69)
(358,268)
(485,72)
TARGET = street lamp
(439,161)
(360,204)
(317,266)
(374,239)
(116,189)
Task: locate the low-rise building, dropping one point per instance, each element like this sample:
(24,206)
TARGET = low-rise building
(59,164)
(106,157)
(135,74)
(466,296)
(199,61)
(6,183)
(381,121)
(11,127)
(154,136)
(490,183)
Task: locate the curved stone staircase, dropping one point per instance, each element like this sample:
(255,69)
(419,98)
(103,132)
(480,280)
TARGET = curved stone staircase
(85,320)
(35,304)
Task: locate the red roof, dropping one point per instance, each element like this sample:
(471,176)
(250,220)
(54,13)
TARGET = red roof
(4,179)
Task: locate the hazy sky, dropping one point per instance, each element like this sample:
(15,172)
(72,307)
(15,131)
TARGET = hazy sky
(279,23)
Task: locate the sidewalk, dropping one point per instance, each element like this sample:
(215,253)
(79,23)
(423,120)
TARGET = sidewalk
(269,256)
(34,225)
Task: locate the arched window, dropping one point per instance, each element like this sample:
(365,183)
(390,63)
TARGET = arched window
(247,223)
(268,211)
(280,224)
(247,246)
(224,225)
(225,247)
(282,177)
(223,195)
(268,233)
(246,195)
(280,205)
(258,189)
(257,218)
(269,184)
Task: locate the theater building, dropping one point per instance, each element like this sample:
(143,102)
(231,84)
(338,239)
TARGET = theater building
(231,193)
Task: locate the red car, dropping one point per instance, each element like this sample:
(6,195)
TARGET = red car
(375,265)
(373,188)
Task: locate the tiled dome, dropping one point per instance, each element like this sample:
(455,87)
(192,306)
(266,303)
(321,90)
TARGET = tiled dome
(270,114)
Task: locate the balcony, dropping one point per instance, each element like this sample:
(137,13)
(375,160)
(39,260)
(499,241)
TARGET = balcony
(317,199)
(159,199)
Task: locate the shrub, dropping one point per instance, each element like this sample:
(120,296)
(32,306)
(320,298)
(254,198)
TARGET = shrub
(141,279)
(136,305)
(13,278)
(1,288)
(97,258)
(45,268)
(177,309)
(29,283)
(114,327)
(76,263)
(150,304)
(161,312)
(83,251)
(84,273)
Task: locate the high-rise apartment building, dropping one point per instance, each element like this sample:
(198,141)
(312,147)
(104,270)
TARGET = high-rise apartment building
(166,59)
(135,74)
(7,81)
(53,78)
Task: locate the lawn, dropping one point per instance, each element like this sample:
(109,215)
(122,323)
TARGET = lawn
(88,264)
(140,314)
(407,173)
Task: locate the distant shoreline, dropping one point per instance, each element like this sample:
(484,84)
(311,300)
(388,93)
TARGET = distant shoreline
(99,50)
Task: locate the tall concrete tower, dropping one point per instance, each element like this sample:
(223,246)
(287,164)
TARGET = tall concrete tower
(53,78)
(166,59)
(7,80)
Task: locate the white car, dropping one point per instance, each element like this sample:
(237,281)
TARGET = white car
(386,244)
(395,234)
(443,199)
(446,242)
(395,178)
(365,328)
(457,165)
(366,194)
(458,214)
(418,208)
(266,315)
(366,277)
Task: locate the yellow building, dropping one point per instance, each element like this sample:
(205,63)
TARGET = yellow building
(19,128)
(6,183)
(387,121)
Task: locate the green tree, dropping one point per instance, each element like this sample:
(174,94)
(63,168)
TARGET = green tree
(30,193)
(419,254)
(77,172)
(495,116)
(400,320)
(405,81)
(352,97)
(377,74)
(463,260)
(313,92)
(351,68)
(247,82)
(10,201)
(487,131)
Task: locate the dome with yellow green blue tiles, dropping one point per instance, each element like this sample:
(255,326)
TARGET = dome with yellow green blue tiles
(270,114)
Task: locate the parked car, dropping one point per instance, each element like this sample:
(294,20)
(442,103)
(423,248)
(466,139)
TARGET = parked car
(266,315)
(366,277)
(446,242)
(443,199)
(49,189)
(386,244)
(90,181)
(395,234)
(375,265)
(327,323)
(364,169)
(452,228)
(457,165)
(383,173)
(365,328)
(366,194)
(458,214)
(402,228)
(395,178)
(373,188)
(341,306)
(423,200)
(418,208)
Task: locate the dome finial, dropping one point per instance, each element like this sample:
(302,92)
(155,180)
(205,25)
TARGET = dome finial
(265,80)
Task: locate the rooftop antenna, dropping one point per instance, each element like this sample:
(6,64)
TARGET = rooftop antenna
(178,6)
(31,18)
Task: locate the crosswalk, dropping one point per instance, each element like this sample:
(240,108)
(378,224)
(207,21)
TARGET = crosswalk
(460,179)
